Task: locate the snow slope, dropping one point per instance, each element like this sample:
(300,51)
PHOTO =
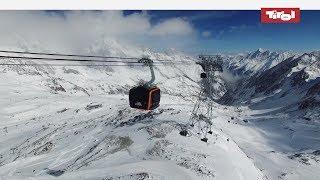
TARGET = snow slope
(75,123)
(72,137)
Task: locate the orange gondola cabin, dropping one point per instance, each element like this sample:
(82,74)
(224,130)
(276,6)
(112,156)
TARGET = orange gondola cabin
(144,97)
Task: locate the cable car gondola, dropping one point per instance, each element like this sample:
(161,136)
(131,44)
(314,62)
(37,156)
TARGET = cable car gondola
(144,97)
(147,96)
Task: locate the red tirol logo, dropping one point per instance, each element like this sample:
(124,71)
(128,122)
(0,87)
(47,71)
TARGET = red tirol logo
(280,15)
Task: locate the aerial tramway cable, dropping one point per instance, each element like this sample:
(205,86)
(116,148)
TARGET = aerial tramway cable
(88,60)
(59,59)
(67,55)
(34,64)
(145,97)
(83,56)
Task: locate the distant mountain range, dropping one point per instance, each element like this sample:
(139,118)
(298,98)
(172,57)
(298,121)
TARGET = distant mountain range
(287,81)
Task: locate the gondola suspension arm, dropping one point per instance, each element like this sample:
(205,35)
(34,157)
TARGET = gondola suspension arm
(149,62)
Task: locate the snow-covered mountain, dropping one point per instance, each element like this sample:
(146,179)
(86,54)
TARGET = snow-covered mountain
(73,122)
(254,62)
(291,84)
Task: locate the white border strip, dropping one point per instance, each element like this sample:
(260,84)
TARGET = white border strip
(155,4)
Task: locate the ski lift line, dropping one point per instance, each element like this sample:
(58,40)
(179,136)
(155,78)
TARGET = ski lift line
(122,63)
(85,56)
(81,60)
(69,55)
(1,64)
(59,59)
(105,65)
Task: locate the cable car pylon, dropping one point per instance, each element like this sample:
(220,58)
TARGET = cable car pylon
(202,113)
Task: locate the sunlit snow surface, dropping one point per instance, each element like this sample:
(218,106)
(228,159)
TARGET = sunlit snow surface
(52,136)
(89,131)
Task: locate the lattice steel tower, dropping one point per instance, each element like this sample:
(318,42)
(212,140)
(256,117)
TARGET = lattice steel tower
(201,118)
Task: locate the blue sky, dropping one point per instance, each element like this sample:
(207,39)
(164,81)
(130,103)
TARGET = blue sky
(192,32)
(235,31)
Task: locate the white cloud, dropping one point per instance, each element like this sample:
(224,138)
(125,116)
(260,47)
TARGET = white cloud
(78,30)
(206,33)
(175,26)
